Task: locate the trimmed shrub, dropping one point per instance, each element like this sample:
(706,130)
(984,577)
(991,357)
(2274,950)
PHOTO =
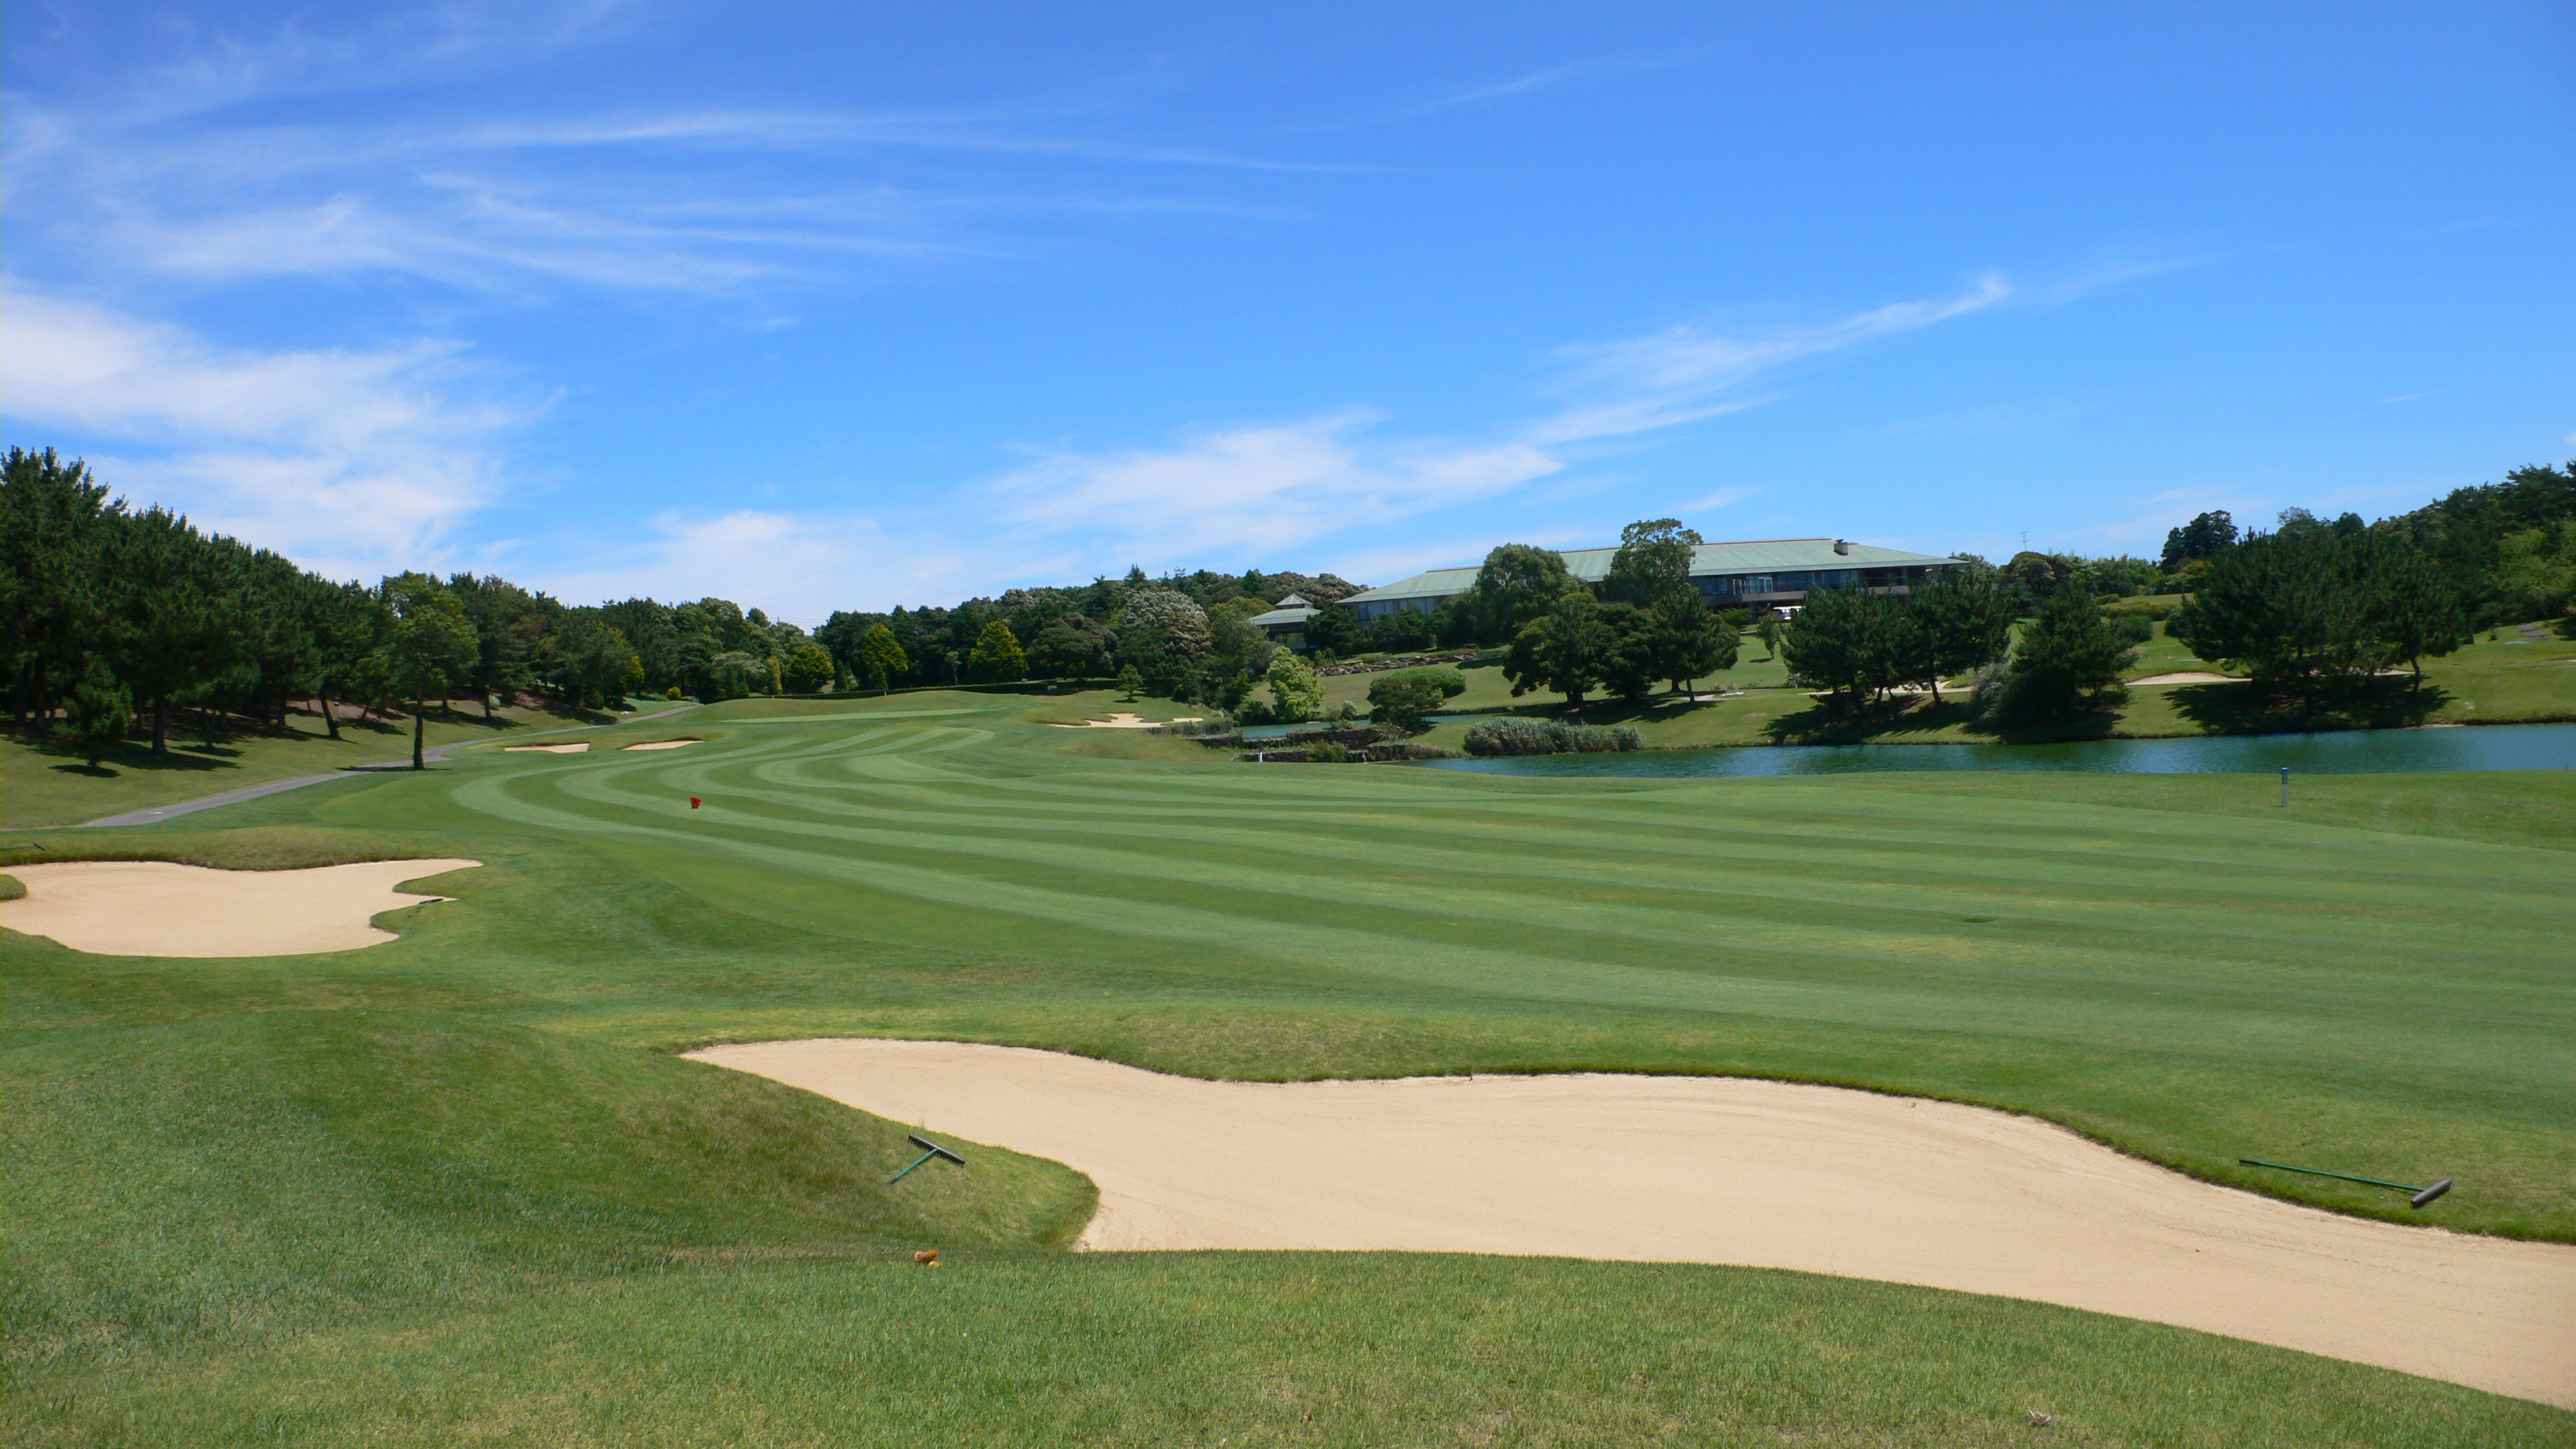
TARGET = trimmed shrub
(1451,683)
(1515,736)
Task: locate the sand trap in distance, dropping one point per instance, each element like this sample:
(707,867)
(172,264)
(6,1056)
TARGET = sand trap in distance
(157,908)
(1122,720)
(1724,1170)
(2191,676)
(581,748)
(663,744)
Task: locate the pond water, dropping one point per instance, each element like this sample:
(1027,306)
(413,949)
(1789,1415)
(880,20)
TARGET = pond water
(2342,752)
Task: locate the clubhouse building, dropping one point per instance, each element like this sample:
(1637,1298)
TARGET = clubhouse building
(1768,573)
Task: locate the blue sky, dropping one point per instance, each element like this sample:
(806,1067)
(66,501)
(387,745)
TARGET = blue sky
(825,307)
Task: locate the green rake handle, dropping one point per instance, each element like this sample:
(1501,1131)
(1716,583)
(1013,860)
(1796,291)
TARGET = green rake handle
(929,1150)
(2419,1195)
(2312,1171)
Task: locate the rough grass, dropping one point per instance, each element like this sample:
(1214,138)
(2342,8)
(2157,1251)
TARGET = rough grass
(44,783)
(1262,1349)
(447,1188)
(231,1179)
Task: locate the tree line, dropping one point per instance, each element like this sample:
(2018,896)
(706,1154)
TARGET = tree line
(121,618)
(2314,605)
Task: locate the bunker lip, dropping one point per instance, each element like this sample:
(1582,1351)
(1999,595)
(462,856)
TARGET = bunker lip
(160,908)
(1723,1170)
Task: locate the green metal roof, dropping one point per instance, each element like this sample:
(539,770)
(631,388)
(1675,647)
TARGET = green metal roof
(1752,556)
(1282,616)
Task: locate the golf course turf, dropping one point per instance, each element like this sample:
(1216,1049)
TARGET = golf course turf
(456,1180)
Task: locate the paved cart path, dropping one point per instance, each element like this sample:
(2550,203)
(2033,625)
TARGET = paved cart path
(1724,1170)
(434,753)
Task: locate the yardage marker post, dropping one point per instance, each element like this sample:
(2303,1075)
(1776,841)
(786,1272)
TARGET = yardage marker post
(2285,784)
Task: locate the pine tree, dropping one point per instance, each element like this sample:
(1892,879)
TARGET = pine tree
(101,711)
(1961,624)
(429,648)
(2070,659)
(1631,667)
(1690,641)
(1568,649)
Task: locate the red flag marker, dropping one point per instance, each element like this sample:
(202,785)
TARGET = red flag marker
(693,802)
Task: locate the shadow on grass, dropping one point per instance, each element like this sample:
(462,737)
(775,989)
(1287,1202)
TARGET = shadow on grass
(1908,718)
(127,755)
(2255,708)
(217,754)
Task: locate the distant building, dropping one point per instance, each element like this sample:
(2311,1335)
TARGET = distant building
(1755,574)
(1286,623)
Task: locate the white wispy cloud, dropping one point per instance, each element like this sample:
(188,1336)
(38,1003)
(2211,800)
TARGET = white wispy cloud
(191,183)
(362,462)
(1684,373)
(798,564)
(352,462)
(1722,498)
(1252,489)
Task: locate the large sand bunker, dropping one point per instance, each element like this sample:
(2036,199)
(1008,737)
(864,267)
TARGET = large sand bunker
(1724,1170)
(155,908)
(663,744)
(1122,720)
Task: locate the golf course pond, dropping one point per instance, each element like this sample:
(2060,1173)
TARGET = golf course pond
(2340,752)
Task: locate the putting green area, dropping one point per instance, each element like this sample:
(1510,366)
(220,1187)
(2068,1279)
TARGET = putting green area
(457,1181)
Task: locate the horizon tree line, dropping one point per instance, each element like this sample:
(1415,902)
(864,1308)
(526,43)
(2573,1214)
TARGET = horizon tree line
(121,618)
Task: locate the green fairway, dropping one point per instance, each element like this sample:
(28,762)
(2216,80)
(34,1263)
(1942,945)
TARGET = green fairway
(383,1193)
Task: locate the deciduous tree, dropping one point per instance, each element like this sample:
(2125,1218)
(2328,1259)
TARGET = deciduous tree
(997,655)
(809,668)
(1403,700)
(1654,560)
(881,657)
(1294,690)
(1518,583)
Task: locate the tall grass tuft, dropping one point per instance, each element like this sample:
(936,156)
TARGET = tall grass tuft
(1514,736)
